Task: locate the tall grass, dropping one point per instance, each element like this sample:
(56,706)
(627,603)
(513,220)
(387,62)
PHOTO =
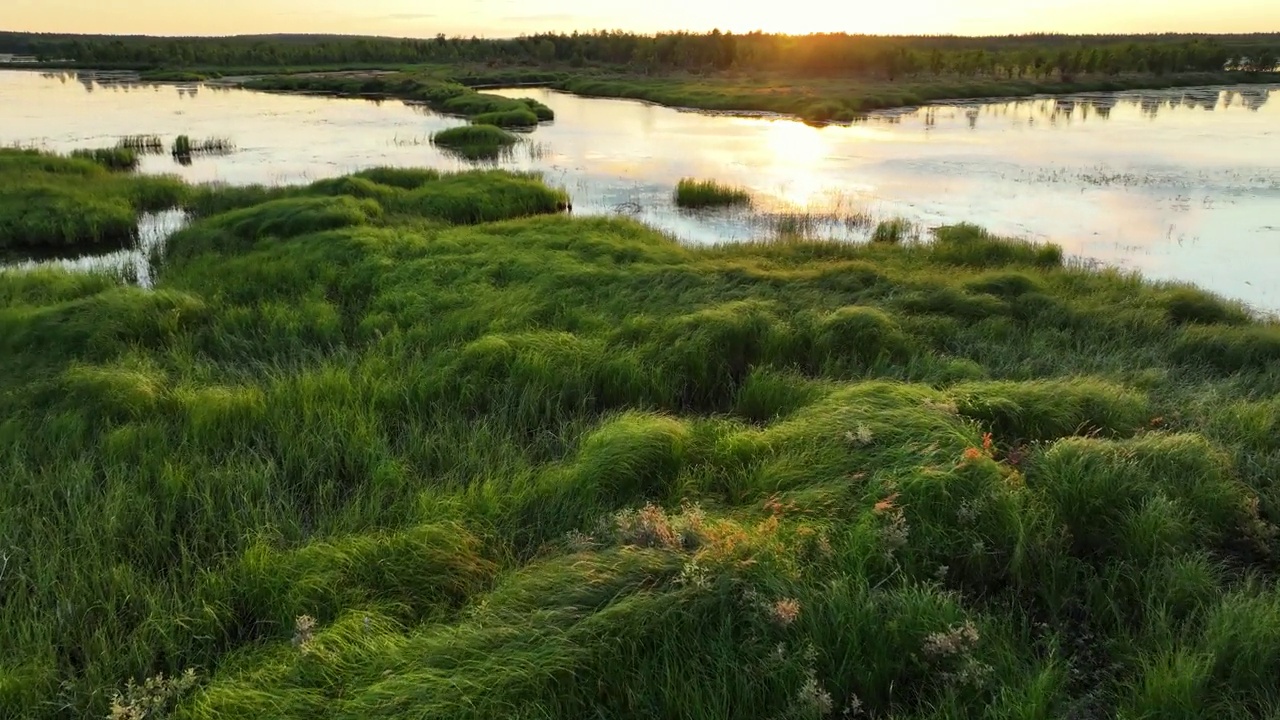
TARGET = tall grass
(72,205)
(406,444)
(142,144)
(185,147)
(892,232)
(118,159)
(696,194)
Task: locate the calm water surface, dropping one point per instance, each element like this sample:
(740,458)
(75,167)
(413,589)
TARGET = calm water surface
(1180,184)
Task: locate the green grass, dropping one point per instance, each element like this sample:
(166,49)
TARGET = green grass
(473,135)
(823,100)
(119,159)
(814,98)
(412,445)
(51,204)
(184,146)
(475,142)
(696,194)
(892,231)
(508,118)
(142,144)
(441,93)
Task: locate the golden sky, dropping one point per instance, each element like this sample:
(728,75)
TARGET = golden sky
(501,18)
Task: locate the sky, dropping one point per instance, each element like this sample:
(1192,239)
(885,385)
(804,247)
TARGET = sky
(505,18)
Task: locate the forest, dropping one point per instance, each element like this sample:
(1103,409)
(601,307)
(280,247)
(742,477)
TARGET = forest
(811,55)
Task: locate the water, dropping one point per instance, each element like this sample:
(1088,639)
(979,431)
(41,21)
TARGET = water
(132,263)
(1179,184)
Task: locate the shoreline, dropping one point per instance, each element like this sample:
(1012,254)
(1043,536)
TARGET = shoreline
(672,91)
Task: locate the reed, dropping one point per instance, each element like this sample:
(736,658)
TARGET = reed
(142,144)
(184,146)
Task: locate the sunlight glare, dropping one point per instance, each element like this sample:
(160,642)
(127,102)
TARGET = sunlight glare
(796,146)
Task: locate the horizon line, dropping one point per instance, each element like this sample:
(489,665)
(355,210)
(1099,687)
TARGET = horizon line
(1153,33)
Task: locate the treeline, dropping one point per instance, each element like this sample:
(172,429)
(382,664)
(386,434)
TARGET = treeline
(825,54)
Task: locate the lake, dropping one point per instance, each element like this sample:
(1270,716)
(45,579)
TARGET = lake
(1179,184)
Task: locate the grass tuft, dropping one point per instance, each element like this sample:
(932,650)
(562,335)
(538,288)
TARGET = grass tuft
(475,142)
(507,119)
(697,194)
(116,159)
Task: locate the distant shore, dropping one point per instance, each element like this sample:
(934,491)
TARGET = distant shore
(810,99)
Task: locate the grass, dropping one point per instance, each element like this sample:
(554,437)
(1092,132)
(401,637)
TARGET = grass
(822,100)
(119,159)
(816,99)
(508,118)
(473,135)
(475,142)
(60,205)
(892,232)
(441,93)
(184,146)
(406,444)
(696,194)
(142,144)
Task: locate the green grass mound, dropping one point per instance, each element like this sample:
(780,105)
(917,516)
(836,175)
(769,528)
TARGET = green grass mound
(473,135)
(697,194)
(477,105)
(475,142)
(508,118)
(413,445)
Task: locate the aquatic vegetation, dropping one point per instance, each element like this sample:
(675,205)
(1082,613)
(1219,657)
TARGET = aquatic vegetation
(142,144)
(476,105)
(443,95)
(892,231)
(185,147)
(695,194)
(507,118)
(412,444)
(473,135)
(118,159)
(475,142)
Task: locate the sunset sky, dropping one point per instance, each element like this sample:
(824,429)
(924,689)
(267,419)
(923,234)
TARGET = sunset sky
(500,18)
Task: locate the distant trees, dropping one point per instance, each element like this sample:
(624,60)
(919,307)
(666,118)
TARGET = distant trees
(1038,56)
